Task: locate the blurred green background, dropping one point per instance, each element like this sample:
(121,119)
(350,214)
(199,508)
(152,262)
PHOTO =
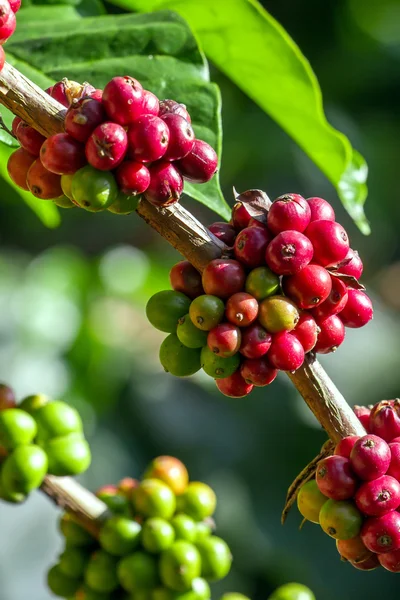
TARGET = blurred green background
(72,325)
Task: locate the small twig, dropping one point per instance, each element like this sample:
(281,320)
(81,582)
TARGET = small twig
(5,128)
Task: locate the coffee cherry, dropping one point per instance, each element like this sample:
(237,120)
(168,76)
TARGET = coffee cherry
(68,455)
(148,138)
(362,413)
(286,352)
(369,564)
(224,340)
(335,302)
(306,331)
(138,572)
(310,287)
(241,309)
(250,246)
(2,58)
(346,445)
(127,486)
(58,92)
(278,314)
(240,216)
(157,535)
(258,372)
(106,147)
(14,125)
(166,184)
(184,527)
(150,104)
(30,139)
(124,204)
(335,478)
(200,165)
(8,21)
(321,210)
(310,500)
(198,501)
(290,211)
(17,428)
(353,549)
(223,278)
(189,335)
(7,397)
(292,591)
(101,572)
(255,341)
(234,386)
(181,136)
(41,183)
(216,558)
(83,117)
(216,366)
(132,177)
(352,264)
(179,565)
(262,283)
(370,457)
(288,253)
(340,519)
(394,467)
(204,528)
(378,497)
(390,561)
(115,500)
(73,562)
(75,535)
(331,335)
(60,584)
(358,310)
(24,469)
(206,312)
(120,536)
(56,419)
(165,308)
(330,242)
(123,100)
(382,534)
(224,232)
(186,279)
(171,106)
(64,202)
(85,593)
(153,498)
(171,471)
(62,154)
(18,166)
(177,359)
(384,420)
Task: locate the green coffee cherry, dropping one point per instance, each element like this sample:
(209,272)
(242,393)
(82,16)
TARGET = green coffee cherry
(74,534)
(206,311)
(234,596)
(94,190)
(57,419)
(262,283)
(153,498)
(60,584)
(190,335)
(216,558)
(31,404)
(16,428)
(157,535)
(203,530)
(120,535)
(66,183)
(101,572)
(73,562)
(179,566)
(124,204)
(217,367)
(138,571)
(68,455)
(177,359)
(85,593)
(13,498)
(165,308)
(198,501)
(24,470)
(185,528)
(292,591)
(64,202)
(200,590)
(116,502)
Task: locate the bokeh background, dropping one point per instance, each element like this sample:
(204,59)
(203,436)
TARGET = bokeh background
(72,325)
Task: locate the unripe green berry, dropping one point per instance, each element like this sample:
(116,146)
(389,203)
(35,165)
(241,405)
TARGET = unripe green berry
(101,572)
(73,562)
(31,404)
(138,571)
(120,535)
(16,428)
(177,359)
(74,534)
(60,584)
(190,335)
(57,419)
(153,498)
(12,497)
(85,593)
(179,566)
(216,558)
(116,501)
(198,501)
(68,455)
(203,530)
(24,469)
(165,308)
(217,367)
(157,535)
(185,528)
(234,596)
(292,591)
(200,590)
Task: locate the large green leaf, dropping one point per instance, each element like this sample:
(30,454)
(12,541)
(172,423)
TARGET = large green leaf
(249,46)
(159,49)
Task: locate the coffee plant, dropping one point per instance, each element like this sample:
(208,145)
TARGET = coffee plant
(263,291)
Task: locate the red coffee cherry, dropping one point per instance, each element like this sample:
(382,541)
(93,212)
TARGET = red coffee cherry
(224,232)
(61,154)
(223,278)
(378,497)
(132,177)
(310,287)
(306,331)
(8,21)
(234,386)
(18,165)
(390,561)
(288,253)
(30,139)
(370,457)
(289,212)
(171,106)
(352,264)
(241,309)
(14,126)
(258,371)
(358,310)
(200,164)
(240,216)
(256,341)
(7,397)
(384,419)
(83,117)
(123,100)
(382,534)
(345,446)
(224,339)
(42,183)
(59,92)
(15,5)
(181,136)
(186,279)
(148,138)
(321,210)
(286,352)
(330,242)
(362,413)
(250,246)
(353,549)
(330,337)
(335,478)
(150,105)
(394,467)
(2,58)
(166,184)
(257,223)
(368,564)
(107,146)
(335,302)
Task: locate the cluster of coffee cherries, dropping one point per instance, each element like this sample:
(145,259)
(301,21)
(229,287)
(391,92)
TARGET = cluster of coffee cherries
(37,437)
(8,23)
(290,288)
(355,495)
(157,544)
(119,143)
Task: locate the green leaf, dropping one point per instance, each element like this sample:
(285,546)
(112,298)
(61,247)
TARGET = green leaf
(159,49)
(247,44)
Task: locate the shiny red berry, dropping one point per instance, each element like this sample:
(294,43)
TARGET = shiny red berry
(181,136)
(310,287)
(166,184)
(306,331)
(363,413)
(123,100)
(8,21)
(234,386)
(83,117)
(358,310)
(30,139)
(286,352)
(2,58)
(106,146)
(132,177)
(15,5)
(59,93)
(256,341)
(382,534)
(63,155)
(240,216)
(224,232)
(289,212)
(331,335)
(186,279)
(42,183)
(335,302)
(378,497)
(321,210)
(241,309)
(224,339)
(384,419)
(288,253)
(171,106)
(394,467)
(370,457)
(345,446)
(151,105)
(390,561)
(200,164)
(18,165)
(250,246)
(335,478)
(148,139)
(223,277)
(14,126)
(258,371)
(330,242)
(352,264)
